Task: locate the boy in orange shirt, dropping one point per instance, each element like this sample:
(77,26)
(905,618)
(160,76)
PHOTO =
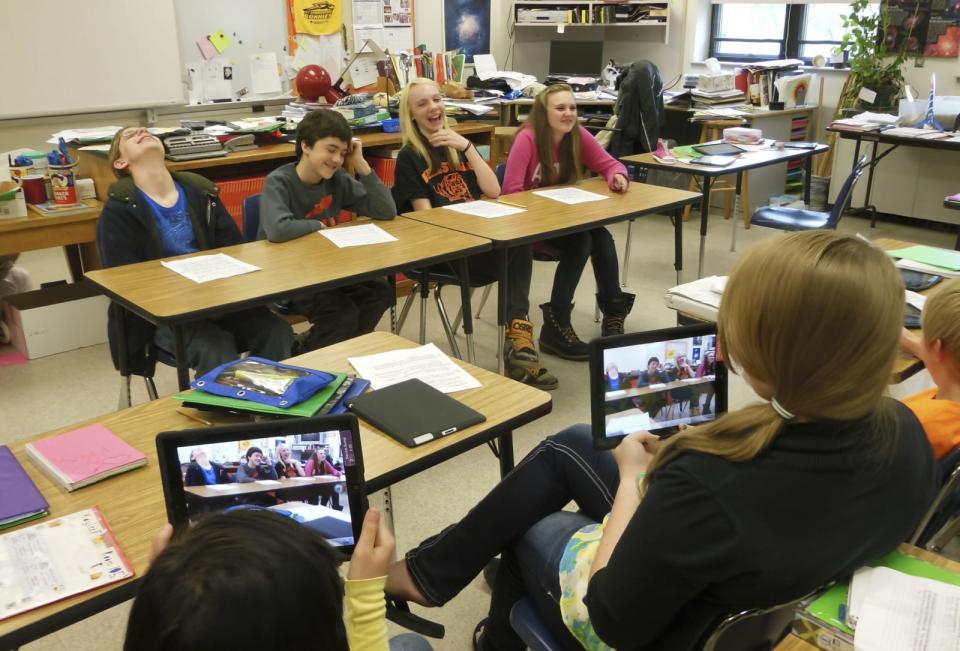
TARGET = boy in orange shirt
(938,409)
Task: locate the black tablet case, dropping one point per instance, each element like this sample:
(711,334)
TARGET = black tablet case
(413,412)
(719,149)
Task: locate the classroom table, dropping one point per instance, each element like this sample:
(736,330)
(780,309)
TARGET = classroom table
(76,233)
(545,218)
(259,161)
(877,138)
(218,491)
(634,392)
(953,205)
(306,264)
(794,643)
(749,160)
(133,505)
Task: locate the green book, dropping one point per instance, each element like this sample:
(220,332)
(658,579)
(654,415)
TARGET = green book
(304,409)
(826,607)
(943,258)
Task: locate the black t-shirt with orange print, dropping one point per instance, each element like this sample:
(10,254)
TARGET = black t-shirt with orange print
(442,187)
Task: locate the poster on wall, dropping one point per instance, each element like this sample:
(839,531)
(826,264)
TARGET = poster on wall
(397,12)
(312,17)
(466,26)
(930,28)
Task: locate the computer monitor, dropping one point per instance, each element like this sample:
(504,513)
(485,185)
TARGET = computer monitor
(576,58)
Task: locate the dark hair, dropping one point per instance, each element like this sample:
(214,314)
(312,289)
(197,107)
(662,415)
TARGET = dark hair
(114,153)
(320,124)
(652,359)
(246,566)
(253,449)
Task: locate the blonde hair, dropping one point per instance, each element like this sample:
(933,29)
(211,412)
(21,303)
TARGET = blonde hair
(571,163)
(941,319)
(114,154)
(410,132)
(815,315)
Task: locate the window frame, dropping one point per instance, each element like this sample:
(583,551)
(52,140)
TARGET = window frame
(791,43)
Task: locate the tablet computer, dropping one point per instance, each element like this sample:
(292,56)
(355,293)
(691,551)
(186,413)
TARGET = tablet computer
(655,381)
(719,149)
(320,483)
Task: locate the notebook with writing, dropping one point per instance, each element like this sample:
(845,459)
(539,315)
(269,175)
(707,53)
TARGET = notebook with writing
(20,499)
(414,413)
(84,456)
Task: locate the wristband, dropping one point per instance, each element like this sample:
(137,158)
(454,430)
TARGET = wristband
(467,148)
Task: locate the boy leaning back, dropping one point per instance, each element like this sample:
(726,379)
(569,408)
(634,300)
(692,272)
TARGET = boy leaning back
(298,197)
(938,409)
(153,214)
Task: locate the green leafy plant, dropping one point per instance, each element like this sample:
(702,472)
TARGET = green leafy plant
(872,65)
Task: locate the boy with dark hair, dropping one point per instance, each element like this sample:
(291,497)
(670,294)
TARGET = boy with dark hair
(298,197)
(153,214)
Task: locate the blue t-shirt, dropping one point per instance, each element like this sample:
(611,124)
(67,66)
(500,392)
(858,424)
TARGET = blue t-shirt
(209,475)
(176,229)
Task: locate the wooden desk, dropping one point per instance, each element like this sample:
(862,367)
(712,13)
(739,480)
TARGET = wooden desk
(546,218)
(250,488)
(133,502)
(76,232)
(261,160)
(953,205)
(747,161)
(794,643)
(308,263)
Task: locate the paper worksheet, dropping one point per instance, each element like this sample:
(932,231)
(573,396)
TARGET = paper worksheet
(357,235)
(204,268)
(916,300)
(426,363)
(264,74)
(570,195)
(486,209)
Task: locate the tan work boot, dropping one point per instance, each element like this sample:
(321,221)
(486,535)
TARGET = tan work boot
(520,358)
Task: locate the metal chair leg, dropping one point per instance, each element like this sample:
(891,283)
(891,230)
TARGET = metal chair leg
(626,255)
(456,321)
(737,207)
(407,303)
(488,288)
(424,294)
(151,388)
(445,321)
(947,532)
(124,400)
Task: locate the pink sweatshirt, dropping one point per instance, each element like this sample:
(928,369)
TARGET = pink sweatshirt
(523,164)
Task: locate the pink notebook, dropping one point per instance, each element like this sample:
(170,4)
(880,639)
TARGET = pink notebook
(84,456)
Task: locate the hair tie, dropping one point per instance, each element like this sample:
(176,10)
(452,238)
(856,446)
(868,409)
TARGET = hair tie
(777,407)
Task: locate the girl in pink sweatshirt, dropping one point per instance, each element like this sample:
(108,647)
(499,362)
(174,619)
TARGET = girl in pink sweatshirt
(553,132)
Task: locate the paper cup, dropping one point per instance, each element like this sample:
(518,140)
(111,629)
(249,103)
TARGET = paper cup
(19,171)
(64,187)
(34,188)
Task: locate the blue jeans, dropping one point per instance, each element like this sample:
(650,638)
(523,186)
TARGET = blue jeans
(522,518)
(409,642)
(574,250)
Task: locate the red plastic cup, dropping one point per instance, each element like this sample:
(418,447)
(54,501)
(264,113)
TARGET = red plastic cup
(34,190)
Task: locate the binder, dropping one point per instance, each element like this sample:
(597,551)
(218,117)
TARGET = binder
(414,413)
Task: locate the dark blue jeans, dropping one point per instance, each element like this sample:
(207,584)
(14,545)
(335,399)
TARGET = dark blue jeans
(522,518)
(574,249)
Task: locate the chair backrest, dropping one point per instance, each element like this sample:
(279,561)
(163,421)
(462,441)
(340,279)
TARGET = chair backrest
(500,171)
(639,109)
(251,217)
(842,202)
(944,504)
(753,629)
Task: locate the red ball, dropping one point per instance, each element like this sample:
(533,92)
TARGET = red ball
(312,82)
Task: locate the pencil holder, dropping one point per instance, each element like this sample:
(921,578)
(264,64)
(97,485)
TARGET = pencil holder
(64,184)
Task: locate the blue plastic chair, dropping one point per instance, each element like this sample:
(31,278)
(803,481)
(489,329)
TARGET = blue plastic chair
(942,518)
(798,219)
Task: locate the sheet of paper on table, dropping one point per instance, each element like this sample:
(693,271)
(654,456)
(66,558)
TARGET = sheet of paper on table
(204,268)
(570,195)
(357,235)
(426,363)
(486,209)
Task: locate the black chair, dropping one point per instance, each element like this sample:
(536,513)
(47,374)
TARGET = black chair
(798,219)
(942,520)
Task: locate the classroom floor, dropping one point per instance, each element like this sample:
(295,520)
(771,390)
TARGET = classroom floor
(62,389)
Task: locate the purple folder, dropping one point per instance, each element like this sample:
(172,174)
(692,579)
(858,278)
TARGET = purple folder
(20,499)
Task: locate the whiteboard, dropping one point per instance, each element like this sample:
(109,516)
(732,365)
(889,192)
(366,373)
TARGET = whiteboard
(253,26)
(66,57)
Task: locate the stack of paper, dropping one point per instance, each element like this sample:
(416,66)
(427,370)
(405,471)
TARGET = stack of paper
(427,363)
(84,456)
(700,298)
(929,259)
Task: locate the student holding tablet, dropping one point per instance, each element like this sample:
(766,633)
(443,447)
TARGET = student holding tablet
(553,133)
(438,167)
(672,535)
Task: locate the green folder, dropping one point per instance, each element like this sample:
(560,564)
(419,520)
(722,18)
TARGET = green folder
(943,258)
(304,409)
(826,607)
(686,151)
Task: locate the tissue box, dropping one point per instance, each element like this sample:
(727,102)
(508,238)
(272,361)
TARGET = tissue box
(715,82)
(742,135)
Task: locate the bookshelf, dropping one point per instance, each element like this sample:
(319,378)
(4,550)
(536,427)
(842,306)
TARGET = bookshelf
(621,15)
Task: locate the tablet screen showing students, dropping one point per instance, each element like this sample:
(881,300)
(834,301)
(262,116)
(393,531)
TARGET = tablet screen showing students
(310,477)
(656,382)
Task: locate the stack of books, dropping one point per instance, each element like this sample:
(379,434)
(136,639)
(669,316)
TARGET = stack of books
(20,500)
(709,99)
(296,111)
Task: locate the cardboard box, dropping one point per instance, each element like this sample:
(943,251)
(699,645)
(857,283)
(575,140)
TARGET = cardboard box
(56,319)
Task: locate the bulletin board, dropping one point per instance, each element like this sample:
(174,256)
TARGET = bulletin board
(252,27)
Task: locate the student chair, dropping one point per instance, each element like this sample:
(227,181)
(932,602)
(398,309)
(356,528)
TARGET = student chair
(942,520)
(799,219)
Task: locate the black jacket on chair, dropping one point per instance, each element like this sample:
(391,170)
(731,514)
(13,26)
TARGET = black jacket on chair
(127,232)
(639,110)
